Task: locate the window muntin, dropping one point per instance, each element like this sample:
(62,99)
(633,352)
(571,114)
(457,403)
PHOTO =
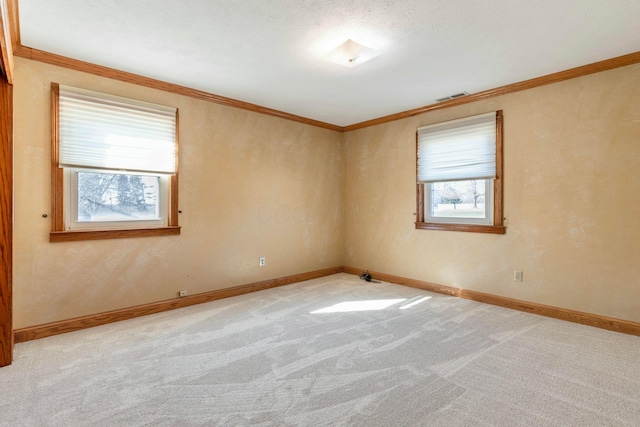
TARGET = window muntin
(96,135)
(458,161)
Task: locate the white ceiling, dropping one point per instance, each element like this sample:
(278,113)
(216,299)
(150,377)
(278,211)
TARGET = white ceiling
(269,52)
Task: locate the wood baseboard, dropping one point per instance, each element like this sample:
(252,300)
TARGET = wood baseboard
(78,323)
(84,322)
(603,322)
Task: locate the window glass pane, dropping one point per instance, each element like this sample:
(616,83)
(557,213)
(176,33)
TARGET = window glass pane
(117,197)
(458,199)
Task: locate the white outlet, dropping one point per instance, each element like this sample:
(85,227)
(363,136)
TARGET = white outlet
(183,293)
(517,276)
(263,261)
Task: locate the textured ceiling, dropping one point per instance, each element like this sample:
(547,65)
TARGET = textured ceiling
(269,52)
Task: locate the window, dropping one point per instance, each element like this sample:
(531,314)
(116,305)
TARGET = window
(459,175)
(114,167)
(114,200)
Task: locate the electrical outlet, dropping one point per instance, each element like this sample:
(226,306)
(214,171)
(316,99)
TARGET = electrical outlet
(183,293)
(517,276)
(263,261)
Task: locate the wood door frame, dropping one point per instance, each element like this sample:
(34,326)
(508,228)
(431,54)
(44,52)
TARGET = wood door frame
(6,222)
(8,31)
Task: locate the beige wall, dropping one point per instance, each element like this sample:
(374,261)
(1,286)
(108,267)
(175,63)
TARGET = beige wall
(571,192)
(250,185)
(253,185)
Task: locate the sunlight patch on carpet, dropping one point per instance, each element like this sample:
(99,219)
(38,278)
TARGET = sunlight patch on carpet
(366,305)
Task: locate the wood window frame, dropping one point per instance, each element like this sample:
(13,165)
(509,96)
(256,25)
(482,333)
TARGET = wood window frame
(498,220)
(58,231)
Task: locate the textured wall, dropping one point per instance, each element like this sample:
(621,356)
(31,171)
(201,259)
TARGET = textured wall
(250,185)
(253,185)
(571,192)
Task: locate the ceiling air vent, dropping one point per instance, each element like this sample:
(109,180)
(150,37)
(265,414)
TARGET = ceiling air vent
(454,96)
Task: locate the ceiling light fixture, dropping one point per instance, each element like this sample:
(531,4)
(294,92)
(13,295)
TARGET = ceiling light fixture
(350,53)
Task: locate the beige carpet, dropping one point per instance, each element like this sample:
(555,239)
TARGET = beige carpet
(315,354)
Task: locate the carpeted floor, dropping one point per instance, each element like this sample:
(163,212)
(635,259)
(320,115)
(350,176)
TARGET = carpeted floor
(334,351)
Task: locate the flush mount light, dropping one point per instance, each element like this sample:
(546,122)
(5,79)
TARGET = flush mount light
(350,54)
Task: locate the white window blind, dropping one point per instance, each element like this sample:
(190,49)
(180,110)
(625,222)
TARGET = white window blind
(108,132)
(457,150)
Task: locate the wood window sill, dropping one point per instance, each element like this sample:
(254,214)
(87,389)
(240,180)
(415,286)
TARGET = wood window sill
(73,236)
(491,229)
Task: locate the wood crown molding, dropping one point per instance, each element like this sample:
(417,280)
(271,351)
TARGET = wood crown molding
(596,67)
(602,322)
(99,70)
(84,322)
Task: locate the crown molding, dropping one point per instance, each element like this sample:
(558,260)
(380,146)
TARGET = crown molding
(596,67)
(112,73)
(54,59)
(99,70)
